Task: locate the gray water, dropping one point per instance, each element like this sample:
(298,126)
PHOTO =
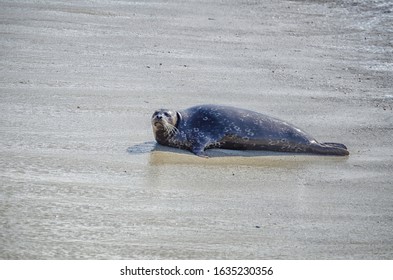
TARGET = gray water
(81,177)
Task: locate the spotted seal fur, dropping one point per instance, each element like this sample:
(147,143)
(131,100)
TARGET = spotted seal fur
(214,126)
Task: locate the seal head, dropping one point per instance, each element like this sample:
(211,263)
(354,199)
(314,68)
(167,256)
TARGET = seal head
(164,123)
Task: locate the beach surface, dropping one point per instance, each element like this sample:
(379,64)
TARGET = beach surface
(82,178)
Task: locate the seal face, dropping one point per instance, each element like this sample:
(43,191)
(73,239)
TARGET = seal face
(214,126)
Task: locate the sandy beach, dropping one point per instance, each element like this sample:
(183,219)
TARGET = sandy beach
(82,178)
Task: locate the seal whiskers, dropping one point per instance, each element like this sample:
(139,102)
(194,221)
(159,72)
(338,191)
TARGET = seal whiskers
(170,129)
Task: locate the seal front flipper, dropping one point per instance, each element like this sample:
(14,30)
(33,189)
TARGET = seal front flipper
(198,148)
(201,154)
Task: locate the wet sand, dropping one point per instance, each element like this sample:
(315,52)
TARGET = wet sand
(81,177)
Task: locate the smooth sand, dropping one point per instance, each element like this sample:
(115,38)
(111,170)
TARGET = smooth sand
(79,82)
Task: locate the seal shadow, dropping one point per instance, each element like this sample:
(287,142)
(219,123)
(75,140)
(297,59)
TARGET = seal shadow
(163,155)
(152,146)
(142,148)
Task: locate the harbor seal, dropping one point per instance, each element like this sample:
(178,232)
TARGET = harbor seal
(215,126)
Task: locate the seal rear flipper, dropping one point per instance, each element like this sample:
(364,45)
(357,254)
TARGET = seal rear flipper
(334,149)
(338,145)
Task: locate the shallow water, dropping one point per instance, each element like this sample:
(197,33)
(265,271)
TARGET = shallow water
(81,176)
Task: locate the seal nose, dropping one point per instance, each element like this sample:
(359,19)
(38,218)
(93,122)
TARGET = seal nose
(159,117)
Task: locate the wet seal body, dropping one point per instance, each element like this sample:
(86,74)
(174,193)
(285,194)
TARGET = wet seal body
(214,126)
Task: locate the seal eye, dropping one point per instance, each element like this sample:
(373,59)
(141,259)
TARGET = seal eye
(167,115)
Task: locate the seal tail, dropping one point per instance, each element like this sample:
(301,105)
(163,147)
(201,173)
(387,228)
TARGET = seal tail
(334,149)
